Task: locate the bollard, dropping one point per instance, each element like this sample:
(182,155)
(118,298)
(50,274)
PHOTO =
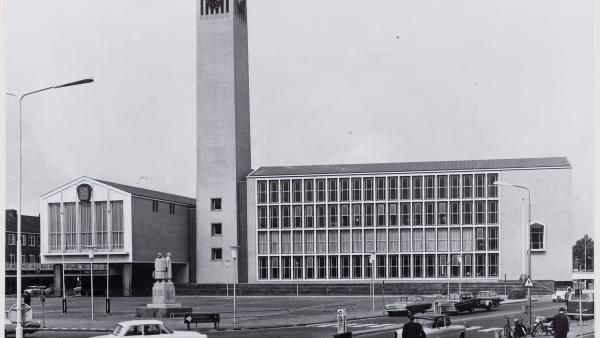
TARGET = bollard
(341,320)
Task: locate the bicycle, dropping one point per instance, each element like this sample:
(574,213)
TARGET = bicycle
(542,326)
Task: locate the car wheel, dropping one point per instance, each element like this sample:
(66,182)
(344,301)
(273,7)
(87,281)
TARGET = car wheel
(461,335)
(554,301)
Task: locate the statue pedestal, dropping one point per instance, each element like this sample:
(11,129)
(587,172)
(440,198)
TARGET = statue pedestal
(163,302)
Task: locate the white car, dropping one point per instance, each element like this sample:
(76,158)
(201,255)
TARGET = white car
(560,295)
(148,328)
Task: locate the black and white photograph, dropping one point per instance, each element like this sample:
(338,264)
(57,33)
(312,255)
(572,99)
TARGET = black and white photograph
(280,168)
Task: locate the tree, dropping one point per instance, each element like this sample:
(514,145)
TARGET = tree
(583,254)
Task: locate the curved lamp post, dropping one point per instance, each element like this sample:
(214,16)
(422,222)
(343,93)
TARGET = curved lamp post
(19,328)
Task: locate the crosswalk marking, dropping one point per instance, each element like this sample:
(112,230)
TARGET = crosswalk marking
(491,329)
(473,328)
(395,326)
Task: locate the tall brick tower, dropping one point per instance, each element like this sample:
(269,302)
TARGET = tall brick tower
(223,139)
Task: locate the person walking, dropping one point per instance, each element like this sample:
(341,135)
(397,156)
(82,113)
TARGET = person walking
(27,298)
(561,324)
(412,329)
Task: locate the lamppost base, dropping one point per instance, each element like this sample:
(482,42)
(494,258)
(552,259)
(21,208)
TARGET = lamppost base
(64,305)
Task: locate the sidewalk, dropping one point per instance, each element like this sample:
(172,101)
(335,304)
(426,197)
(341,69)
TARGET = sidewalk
(586,329)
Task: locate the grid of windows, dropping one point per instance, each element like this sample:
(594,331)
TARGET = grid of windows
(432,226)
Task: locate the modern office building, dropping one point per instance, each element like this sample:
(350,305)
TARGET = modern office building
(123,226)
(420,220)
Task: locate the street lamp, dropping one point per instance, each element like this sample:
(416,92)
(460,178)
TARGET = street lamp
(227,277)
(19,328)
(91,255)
(372,261)
(529,229)
(234,254)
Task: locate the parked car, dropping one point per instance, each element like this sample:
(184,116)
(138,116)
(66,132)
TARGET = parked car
(437,326)
(560,295)
(491,296)
(407,305)
(148,327)
(456,303)
(518,294)
(28,327)
(35,290)
(586,298)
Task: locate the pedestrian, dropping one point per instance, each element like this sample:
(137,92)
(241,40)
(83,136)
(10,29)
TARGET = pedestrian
(560,324)
(520,330)
(412,329)
(27,298)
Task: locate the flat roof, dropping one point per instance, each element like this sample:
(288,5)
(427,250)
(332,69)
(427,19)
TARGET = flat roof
(488,164)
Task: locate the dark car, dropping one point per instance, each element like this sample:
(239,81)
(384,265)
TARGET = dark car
(586,298)
(408,304)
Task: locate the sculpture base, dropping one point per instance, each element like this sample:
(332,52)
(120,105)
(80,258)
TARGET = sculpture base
(151,311)
(163,293)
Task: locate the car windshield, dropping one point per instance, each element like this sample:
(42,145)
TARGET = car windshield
(117,330)
(425,322)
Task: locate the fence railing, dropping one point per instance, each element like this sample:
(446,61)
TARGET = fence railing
(28,266)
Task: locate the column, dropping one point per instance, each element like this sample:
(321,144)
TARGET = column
(127,281)
(58,279)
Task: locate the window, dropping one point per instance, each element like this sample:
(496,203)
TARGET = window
(468,212)
(442,266)
(216,254)
(405,266)
(492,212)
(333,189)
(32,259)
(23,240)
(321,217)
(309,242)
(492,188)
(493,265)
(85,224)
(430,266)
(37,240)
(263,242)
(356,215)
(333,215)
(297,216)
(368,186)
(480,185)
(321,267)
(345,270)
(380,266)
(368,215)
(405,240)
(261,192)
(345,189)
(467,186)
(393,266)
(417,184)
(262,217)
(467,263)
(216,229)
(454,265)
(417,214)
(286,216)
(297,191)
(417,266)
(369,241)
(480,239)
(480,265)
(393,214)
(467,234)
(273,191)
(442,213)
(454,213)
(285,191)
(356,189)
(356,266)
(297,242)
(12,239)
(430,240)
(321,242)
(297,267)
(479,212)
(429,213)
(309,191)
(493,238)
(417,240)
(274,242)
(321,190)
(393,240)
(357,241)
(381,214)
(172,208)
(274,267)
(404,214)
(333,267)
(429,187)
(537,237)
(442,186)
(286,242)
(442,239)
(454,186)
(392,188)
(454,240)
(345,215)
(263,268)
(215,204)
(101,225)
(70,225)
(333,241)
(380,188)
(405,187)
(310,267)
(381,241)
(274,216)
(345,245)
(308,216)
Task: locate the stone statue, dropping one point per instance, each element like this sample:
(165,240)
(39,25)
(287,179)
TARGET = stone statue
(169,267)
(160,268)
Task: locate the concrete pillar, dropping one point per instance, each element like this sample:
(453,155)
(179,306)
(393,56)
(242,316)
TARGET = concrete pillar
(127,281)
(58,279)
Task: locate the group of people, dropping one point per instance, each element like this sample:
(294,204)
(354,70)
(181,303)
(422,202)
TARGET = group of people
(163,271)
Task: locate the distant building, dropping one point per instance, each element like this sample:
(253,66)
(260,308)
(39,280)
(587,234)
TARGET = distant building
(34,273)
(124,226)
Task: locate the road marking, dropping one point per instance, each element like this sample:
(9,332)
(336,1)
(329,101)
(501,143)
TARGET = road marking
(490,329)
(473,328)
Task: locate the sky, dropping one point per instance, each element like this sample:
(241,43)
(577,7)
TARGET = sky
(338,81)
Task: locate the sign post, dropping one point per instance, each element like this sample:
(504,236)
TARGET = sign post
(341,320)
(372,261)
(43,300)
(528,284)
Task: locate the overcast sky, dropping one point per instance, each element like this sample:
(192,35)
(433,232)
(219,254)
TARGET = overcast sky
(338,81)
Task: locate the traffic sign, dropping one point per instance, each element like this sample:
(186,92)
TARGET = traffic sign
(528,283)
